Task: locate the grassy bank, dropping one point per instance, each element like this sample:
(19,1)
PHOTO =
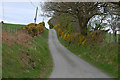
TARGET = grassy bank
(26,59)
(8,25)
(101,55)
(12,28)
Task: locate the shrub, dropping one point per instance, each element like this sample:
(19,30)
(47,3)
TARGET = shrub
(70,37)
(96,36)
(81,40)
(34,29)
(56,26)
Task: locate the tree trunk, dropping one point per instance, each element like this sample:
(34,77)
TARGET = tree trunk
(83,24)
(114,35)
(119,36)
(119,40)
(110,37)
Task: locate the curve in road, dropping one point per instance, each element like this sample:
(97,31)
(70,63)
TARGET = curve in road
(68,65)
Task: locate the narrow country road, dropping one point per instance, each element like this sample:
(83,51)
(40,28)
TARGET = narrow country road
(68,65)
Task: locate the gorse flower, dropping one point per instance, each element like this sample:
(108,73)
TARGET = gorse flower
(56,26)
(34,29)
(83,42)
(70,37)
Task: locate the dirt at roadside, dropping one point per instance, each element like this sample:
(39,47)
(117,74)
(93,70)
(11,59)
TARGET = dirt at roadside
(21,38)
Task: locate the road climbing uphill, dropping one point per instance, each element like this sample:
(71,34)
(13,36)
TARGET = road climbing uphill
(68,65)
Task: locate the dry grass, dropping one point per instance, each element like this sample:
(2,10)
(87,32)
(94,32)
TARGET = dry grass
(19,37)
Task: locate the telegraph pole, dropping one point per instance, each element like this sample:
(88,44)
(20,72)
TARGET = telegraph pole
(36,15)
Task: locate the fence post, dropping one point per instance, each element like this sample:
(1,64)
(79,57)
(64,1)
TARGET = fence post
(119,50)
(1,26)
(15,29)
(119,38)
(5,28)
(109,37)
(115,38)
(10,29)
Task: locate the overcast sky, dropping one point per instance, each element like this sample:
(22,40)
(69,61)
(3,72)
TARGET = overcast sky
(20,12)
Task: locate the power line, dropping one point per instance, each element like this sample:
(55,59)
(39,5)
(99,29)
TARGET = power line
(32,3)
(36,10)
(41,14)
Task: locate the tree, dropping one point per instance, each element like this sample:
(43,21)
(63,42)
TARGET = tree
(113,10)
(82,11)
(97,22)
(113,22)
(117,3)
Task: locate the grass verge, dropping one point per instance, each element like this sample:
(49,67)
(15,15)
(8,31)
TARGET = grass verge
(31,59)
(102,55)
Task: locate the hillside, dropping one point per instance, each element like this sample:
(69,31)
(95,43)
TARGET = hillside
(24,56)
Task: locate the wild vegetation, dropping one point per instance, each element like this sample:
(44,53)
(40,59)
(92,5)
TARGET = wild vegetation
(25,56)
(91,42)
(81,12)
(34,29)
(93,48)
(26,52)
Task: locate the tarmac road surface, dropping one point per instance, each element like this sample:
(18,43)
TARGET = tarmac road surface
(68,65)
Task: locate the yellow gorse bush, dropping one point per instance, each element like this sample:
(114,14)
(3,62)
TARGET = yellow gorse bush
(34,29)
(65,36)
(70,37)
(62,35)
(83,42)
(77,38)
(81,39)
(56,26)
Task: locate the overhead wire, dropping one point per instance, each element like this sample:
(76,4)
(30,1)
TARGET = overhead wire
(40,13)
(32,3)
(34,6)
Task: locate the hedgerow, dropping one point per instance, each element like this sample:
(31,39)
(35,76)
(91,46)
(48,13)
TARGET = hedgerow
(77,38)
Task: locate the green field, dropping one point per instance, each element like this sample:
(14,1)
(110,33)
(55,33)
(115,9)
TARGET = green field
(101,55)
(23,61)
(18,26)
(12,27)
